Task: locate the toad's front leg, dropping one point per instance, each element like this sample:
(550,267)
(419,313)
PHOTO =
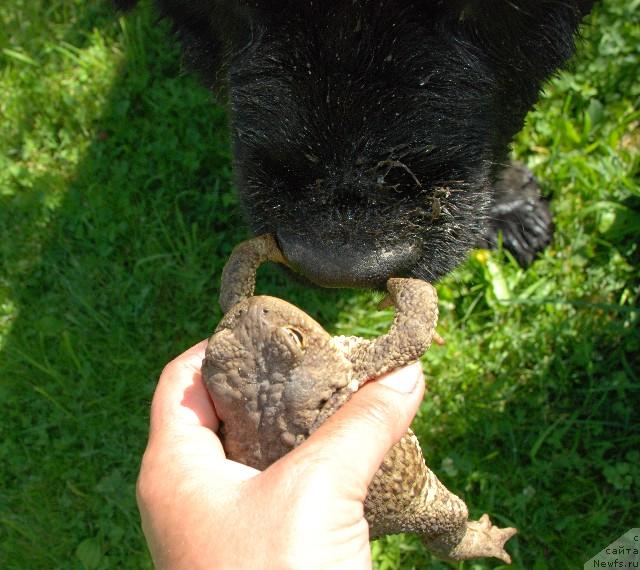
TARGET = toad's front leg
(239,273)
(410,335)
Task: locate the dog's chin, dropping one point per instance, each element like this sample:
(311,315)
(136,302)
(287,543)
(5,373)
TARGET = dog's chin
(354,263)
(319,283)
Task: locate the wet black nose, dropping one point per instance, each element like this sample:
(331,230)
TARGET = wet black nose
(347,264)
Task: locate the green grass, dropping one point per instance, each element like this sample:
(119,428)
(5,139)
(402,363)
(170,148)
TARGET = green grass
(116,215)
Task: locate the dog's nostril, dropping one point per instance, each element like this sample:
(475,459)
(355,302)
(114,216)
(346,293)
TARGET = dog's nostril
(352,264)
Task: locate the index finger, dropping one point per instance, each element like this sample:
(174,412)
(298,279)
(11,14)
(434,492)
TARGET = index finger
(181,401)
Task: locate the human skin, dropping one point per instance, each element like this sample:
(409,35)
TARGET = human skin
(201,510)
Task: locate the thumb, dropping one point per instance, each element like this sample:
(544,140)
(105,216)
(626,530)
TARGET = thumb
(352,443)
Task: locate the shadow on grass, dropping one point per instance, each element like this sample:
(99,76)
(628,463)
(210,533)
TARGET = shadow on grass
(125,278)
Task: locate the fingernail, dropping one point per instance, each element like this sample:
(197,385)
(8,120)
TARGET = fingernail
(404,380)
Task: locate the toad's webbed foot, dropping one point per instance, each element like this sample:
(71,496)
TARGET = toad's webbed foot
(481,539)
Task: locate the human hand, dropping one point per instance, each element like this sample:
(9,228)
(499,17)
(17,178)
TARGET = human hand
(201,510)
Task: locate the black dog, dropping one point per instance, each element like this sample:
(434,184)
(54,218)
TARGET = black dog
(371,136)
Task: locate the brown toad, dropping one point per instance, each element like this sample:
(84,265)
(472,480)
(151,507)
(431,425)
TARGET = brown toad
(275,375)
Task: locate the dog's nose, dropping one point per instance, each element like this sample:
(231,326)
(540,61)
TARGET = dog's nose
(347,264)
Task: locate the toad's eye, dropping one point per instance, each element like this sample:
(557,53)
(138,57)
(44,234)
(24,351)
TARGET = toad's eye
(297,336)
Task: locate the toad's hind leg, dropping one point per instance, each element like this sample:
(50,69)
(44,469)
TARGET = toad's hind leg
(406,496)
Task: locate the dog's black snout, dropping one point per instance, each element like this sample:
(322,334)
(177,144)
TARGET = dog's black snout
(347,264)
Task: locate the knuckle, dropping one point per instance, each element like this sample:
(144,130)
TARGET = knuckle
(167,370)
(143,488)
(146,482)
(170,368)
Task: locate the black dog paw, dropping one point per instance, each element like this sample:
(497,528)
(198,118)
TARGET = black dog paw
(520,215)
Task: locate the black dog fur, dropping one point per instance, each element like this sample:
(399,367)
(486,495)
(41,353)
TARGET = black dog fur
(371,136)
